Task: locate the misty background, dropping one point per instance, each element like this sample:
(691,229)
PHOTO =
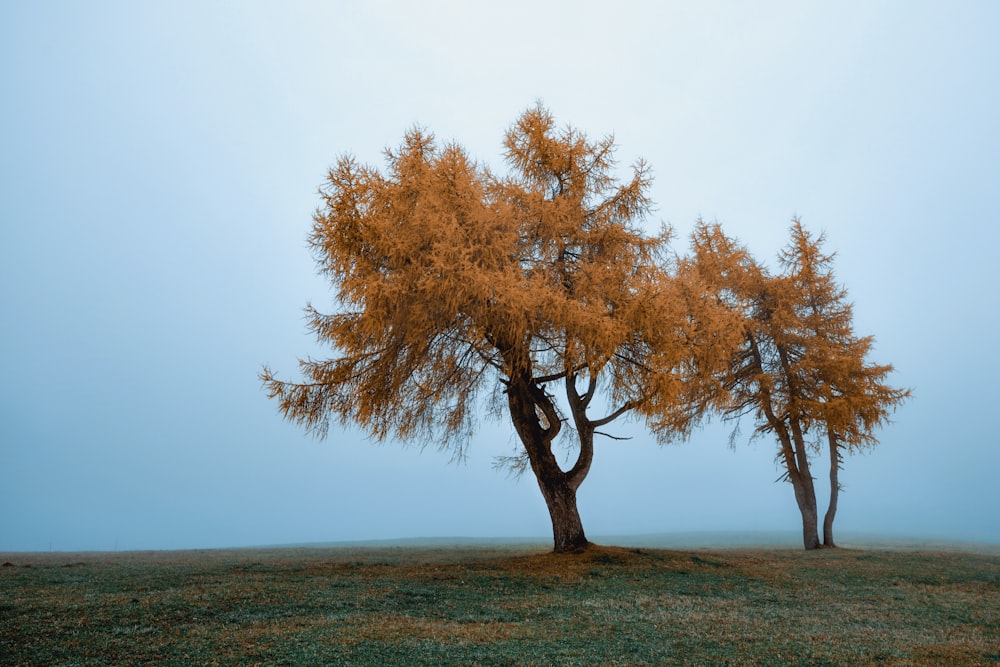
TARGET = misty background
(158,171)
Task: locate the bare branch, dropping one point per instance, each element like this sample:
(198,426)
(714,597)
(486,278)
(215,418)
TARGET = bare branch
(558,376)
(591,390)
(628,405)
(613,437)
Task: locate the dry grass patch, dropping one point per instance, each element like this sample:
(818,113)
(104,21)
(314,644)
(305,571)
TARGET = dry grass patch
(492,606)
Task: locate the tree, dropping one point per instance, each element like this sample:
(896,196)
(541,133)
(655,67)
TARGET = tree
(760,379)
(799,368)
(454,283)
(850,397)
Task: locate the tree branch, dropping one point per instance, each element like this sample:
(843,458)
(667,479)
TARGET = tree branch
(613,437)
(628,405)
(549,378)
(635,363)
(591,389)
(558,376)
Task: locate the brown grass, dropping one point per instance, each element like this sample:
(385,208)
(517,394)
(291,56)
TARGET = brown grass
(516,605)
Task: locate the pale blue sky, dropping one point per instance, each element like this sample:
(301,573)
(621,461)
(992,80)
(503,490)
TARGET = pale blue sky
(158,170)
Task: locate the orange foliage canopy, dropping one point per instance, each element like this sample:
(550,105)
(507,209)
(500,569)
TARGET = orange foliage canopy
(452,280)
(800,370)
(455,284)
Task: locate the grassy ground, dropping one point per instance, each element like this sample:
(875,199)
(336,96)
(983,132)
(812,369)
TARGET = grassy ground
(501,606)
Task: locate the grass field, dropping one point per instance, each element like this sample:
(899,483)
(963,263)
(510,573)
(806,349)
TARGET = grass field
(516,605)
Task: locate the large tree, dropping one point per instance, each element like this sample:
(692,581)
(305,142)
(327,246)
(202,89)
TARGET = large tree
(456,286)
(799,369)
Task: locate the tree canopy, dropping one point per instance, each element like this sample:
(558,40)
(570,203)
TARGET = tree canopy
(800,370)
(459,292)
(454,285)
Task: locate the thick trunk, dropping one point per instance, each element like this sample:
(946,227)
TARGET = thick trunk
(831,511)
(567,529)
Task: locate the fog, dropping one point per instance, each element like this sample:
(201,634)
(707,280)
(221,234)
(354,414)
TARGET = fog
(160,162)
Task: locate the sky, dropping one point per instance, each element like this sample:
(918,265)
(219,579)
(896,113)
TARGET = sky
(159,168)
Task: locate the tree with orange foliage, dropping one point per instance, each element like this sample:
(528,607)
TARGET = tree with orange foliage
(799,369)
(455,284)
(848,397)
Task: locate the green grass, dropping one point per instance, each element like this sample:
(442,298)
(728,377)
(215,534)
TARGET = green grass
(501,606)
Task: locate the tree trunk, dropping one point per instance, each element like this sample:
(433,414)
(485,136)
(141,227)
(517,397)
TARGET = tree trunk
(805,498)
(831,511)
(793,449)
(805,491)
(797,466)
(526,400)
(567,529)
(810,516)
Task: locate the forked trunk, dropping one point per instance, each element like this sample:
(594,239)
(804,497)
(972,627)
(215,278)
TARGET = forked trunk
(831,511)
(537,423)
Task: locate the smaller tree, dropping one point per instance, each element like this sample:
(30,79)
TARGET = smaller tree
(849,397)
(760,379)
(799,369)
